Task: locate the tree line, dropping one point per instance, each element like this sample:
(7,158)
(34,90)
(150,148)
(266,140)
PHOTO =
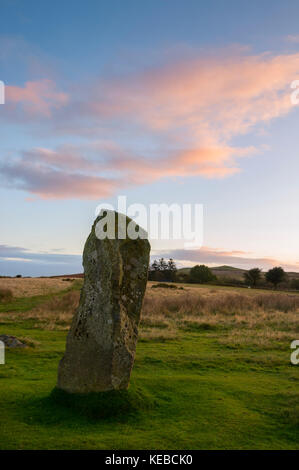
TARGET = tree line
(163,270)
(274,276)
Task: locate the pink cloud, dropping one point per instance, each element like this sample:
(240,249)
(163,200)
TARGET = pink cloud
(188,112)
(36,98)
(216,257)
(55,183)
(231,92)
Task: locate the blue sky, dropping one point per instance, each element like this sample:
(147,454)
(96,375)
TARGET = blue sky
(165,102)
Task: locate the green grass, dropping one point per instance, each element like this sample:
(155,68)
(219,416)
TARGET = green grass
(191,392)
(23,304)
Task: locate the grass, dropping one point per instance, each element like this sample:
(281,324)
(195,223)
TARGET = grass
(212,371)
(5,295)
(28,287)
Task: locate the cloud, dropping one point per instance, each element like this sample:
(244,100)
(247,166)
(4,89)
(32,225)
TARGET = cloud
(215,97)
(216,257)
(8,252)
(37,98)
(49,180)
(17,260)
(175,120)
(98,170)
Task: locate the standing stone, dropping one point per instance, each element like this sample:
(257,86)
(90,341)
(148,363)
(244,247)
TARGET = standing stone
(101,343)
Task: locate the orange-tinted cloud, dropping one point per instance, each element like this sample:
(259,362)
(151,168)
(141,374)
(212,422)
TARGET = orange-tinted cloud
(178,120)
(84,171)
(227,95)
(215,257)
(36,98)
(40,172)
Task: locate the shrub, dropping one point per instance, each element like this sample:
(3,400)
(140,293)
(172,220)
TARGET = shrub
(252,276)
(5,295)
(166,286)
(275,276)
(201,274)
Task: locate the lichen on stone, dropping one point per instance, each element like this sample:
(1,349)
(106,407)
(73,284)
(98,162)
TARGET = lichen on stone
(101,343)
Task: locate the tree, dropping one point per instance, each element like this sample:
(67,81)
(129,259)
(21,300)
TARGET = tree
(162,264)
(153,271)
(201,274)
(161,270)
(253,276)
(171,265)
(155,266)
(172,270)
(275,276)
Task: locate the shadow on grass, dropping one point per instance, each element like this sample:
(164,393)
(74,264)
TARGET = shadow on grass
(62,407)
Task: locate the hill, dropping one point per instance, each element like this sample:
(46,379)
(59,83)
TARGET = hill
(230,272)
(221,271)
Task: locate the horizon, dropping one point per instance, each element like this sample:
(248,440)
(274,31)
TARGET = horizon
(104,108)
(179,268)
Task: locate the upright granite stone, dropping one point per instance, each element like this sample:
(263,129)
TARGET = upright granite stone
(101,343)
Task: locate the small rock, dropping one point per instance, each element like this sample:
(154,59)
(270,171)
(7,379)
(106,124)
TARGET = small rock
(12,341)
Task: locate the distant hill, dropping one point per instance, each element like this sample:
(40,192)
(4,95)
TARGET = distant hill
(228,268)
(221,271)
(230,272)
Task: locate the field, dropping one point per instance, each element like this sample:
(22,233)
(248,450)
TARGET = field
(28,287)
(212,371)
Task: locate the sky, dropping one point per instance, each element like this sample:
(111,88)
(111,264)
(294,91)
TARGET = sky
(185,102)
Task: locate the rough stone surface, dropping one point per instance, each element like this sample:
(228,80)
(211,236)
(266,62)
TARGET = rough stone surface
(101,343)
(12,341)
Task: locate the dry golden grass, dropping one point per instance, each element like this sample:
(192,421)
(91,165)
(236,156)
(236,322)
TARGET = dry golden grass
(28,287)
(243,319)
(54,314)
(235,318)
(5,295)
